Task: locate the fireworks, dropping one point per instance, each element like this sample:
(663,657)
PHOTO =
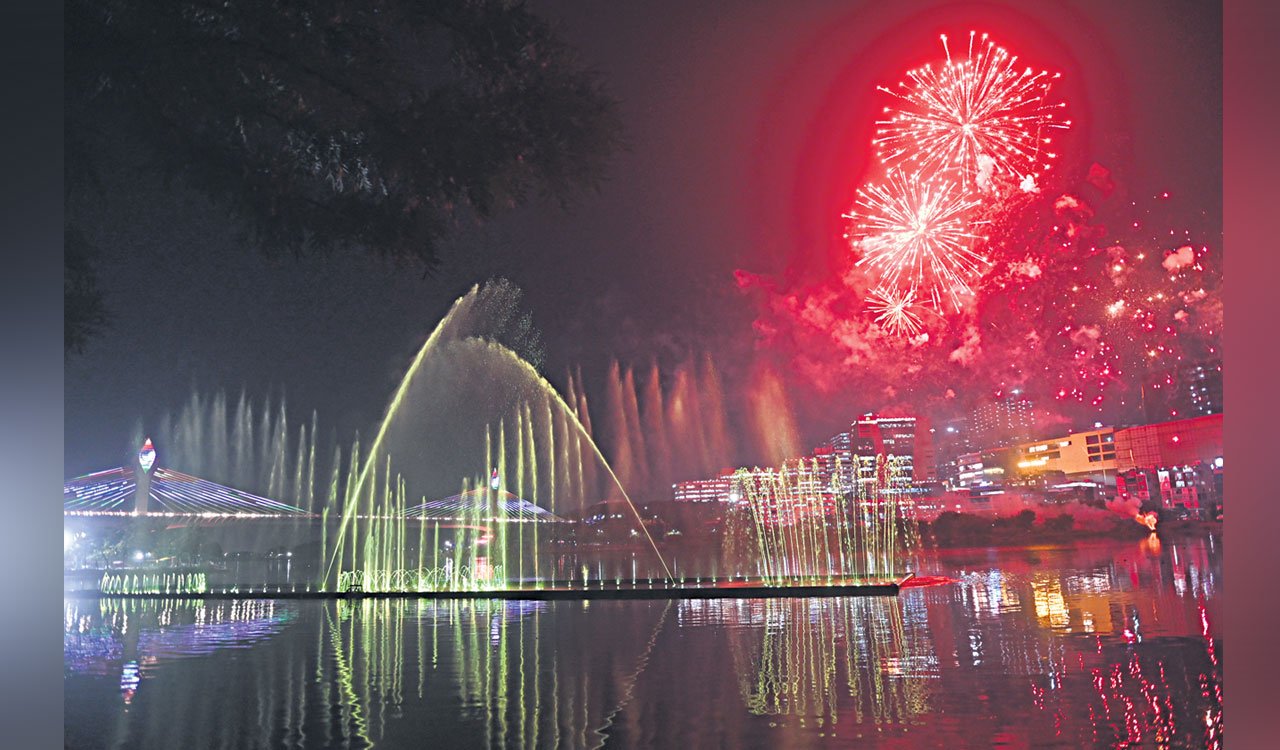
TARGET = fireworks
(960,131)
(973,117)
(1051,314)
(916,238)
(1066,287)
(893,311)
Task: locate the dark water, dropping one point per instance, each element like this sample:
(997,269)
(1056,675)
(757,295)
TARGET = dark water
(1097,645)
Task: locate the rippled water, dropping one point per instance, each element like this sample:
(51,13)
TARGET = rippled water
(1102,645)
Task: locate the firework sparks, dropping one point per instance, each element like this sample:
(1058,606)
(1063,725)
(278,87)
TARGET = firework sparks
(893,311)
(973,116)
(1026,282)
(1045,315)
(915,236)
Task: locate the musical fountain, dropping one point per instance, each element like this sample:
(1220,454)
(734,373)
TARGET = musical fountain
(473,421)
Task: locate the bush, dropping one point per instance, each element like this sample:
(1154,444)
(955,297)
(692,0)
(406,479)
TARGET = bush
(1060,523)
(1024,521)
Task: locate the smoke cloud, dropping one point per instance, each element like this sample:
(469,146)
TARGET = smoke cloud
(1183,256)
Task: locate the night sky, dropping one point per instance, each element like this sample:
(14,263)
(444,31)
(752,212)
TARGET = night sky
(747,125)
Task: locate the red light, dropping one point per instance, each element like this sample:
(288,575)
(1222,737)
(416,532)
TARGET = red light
(1175,438)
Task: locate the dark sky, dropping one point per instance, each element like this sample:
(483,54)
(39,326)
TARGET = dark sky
(748,125)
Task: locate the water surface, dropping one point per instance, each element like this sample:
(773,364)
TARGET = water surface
(1099,644)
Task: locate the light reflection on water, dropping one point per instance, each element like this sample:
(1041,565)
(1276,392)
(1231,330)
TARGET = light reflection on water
(1100,644)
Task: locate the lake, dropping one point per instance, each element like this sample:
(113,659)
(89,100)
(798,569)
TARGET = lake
(1094,644)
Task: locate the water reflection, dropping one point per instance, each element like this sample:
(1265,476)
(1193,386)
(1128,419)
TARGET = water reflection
(1127,698)
(1109,644)
(98,636)
(814,658)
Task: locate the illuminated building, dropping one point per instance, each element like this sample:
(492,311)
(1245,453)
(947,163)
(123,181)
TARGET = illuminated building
(1173,465)
(988,468)
(854,461)
(797,477)
(717,490)
(1007,420)
(1177,487)
(1089,455)
(801,488)
(1184,442)
(905,437)
(969,470)
(951,439)
(872,441)
(786,496)
(838,450)
(1190,390)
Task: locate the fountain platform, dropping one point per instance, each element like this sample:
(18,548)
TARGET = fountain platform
(737,588)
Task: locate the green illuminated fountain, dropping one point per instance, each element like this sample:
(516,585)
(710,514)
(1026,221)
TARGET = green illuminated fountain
(472,421)
(467,393)
(482,478)
(805,524)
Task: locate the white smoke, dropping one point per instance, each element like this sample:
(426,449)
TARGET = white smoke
(1086,337)
(1027,268)
(970,347)
(1183,256)
(986,166)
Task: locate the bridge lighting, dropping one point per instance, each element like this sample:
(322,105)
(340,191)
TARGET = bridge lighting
(147,456)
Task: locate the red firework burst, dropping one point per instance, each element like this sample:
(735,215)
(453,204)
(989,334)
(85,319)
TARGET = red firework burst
(893,312)
(915,236)
(974,117)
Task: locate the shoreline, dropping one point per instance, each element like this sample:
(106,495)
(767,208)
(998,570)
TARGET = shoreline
(962,530)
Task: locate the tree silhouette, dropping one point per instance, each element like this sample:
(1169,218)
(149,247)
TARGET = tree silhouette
(370,125)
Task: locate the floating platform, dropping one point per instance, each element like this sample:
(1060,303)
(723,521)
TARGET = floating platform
(563,591)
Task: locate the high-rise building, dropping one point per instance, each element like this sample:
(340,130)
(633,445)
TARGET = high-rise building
(1005,420)
(1189,390)
(790,494)
(837,452)
(951,440)
(874,454)
(783,496)
(865,451)
(906,438)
